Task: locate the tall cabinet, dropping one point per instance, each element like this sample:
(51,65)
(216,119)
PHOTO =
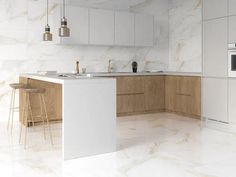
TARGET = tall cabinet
(215,61)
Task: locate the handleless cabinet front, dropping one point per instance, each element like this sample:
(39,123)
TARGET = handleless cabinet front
(144,33)
(214,9)
(215,99)
(232,5)
(101,27)
(232,29)
(124,29)
(215,48)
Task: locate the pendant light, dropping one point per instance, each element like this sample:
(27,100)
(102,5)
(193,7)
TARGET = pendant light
(64,31)
(47,36)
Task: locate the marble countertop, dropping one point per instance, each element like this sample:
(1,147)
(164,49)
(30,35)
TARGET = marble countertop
(62,77)
(106,74)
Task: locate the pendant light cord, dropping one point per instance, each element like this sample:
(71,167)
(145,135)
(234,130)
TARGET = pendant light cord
(47,12)
(64,8)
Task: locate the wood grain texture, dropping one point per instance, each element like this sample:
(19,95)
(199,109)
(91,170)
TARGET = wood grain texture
(170,92)
(53,99)
(130,85)
(154,93)
(183,95)
(130,103)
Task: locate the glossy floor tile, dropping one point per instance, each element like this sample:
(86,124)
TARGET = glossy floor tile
(153,145)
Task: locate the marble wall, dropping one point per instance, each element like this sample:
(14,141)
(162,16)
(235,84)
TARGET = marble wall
(177,40)
(185,35)
(22,50)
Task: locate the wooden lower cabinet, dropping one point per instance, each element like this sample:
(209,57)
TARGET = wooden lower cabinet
(183,95)
(154,93)
(53,99)
(135,95)
(148,94)
(127,104)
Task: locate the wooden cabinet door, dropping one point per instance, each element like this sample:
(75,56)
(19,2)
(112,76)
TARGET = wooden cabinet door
(130,103)
(170,92)
(188,95)
(154,93)
(130,85)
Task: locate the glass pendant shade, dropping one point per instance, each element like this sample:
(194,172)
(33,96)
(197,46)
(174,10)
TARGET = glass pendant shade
(64,31)
(47,36)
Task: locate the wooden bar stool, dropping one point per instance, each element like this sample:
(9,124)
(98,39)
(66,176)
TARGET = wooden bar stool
(13,108)
(28,116)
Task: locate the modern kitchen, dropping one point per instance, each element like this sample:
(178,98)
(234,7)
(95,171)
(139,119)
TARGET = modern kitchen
(123,88)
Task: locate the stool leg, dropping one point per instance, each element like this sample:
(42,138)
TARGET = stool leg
(10,111)
(41,114)
(26,120)
(46,116)
(31,113)
(23,117)
(13,109)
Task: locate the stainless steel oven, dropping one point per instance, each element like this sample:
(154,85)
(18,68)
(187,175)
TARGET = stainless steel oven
(232,60)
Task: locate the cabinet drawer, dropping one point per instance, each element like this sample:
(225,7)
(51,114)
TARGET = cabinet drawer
(130,85)
(130,103)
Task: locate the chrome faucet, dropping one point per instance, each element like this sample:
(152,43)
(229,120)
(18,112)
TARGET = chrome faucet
(77,67)
(110,68)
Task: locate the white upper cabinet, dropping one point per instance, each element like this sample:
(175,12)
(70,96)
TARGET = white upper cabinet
(232,29)
(232,5)
(124,29)
(102,27)
(214,9)
(215,48)
(144,30)
(78,23)
(215,99)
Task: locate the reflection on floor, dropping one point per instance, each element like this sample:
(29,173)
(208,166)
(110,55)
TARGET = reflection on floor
(152,145)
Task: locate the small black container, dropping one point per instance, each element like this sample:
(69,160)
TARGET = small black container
(135,67)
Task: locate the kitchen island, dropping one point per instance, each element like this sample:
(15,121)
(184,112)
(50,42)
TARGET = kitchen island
(87,107)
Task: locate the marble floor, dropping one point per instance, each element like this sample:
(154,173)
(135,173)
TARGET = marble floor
(154,145)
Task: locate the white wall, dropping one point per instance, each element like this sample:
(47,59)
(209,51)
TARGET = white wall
(22,50)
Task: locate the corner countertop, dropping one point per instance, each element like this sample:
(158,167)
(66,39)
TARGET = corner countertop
(105,74)
(66,77)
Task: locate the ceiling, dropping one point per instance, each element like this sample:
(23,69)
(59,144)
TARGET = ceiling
(108,4)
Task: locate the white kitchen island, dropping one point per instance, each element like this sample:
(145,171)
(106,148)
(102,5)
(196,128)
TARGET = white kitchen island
(88,114)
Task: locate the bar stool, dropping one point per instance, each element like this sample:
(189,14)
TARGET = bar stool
(27,113)
(13,109)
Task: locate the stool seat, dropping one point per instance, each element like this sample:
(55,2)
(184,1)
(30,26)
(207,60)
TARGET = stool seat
(34,90)
(17,86)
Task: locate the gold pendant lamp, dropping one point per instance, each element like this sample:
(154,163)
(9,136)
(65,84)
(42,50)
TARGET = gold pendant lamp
(64,31)
(47,35)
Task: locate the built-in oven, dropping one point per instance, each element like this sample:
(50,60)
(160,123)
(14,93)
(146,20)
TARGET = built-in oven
(232,60)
